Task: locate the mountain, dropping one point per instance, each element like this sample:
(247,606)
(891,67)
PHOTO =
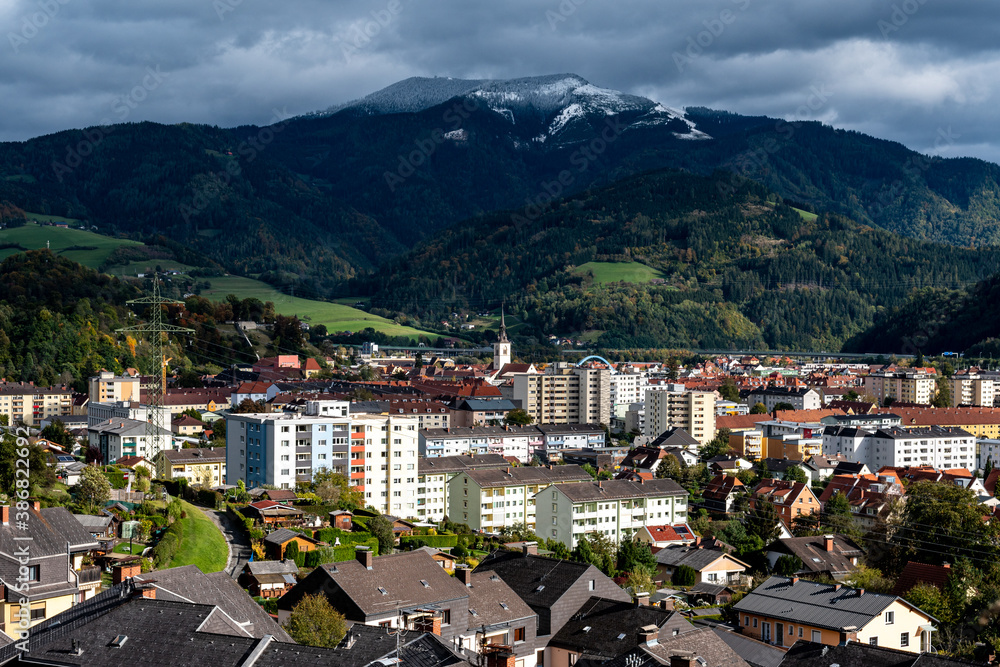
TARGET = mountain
(740,269)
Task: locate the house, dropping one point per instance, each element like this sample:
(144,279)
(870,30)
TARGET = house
(375,645)
(204,466)
(269,578)
(554,589)
(785,609)
(127,437)
(921,573)
(819,468)
(445,560)
(835,556)
(731,463)
(279,495)
(341,519)
(700,647)
(186,425)
(713,566)
(276,543)
(604,629)
(41,565)
(707,593)
(498,619)
(665,535)
(791,499)
(134,462)
(721,493)
(812,654)
(100,527)
(400,527)
(272,514)
(870,496)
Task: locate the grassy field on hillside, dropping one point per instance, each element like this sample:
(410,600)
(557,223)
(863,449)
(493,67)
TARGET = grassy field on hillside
(88,248)
(202,543)
(806,215)
(615,272)
(336,317)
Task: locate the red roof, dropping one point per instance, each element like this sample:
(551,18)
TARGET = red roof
(990,483)
(918,573)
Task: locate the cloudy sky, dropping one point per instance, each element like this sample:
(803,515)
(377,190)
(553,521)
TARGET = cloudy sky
(923,72)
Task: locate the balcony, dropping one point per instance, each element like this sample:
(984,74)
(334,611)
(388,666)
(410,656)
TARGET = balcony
(89,575)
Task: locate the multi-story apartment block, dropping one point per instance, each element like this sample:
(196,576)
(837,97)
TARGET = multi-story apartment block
(988,449)
(935,446)
(434,475)
(693,411)
(972,389)
(98,413)
(749,444)
(565,394)
(615,508)
(198,465)
(800,398)
(106,387)
(517,441)
(128,437)
(794,447)
(905,386)
(24,403)
(626,389)
(490,499)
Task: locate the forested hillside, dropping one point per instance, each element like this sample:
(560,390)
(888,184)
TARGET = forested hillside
(741,268)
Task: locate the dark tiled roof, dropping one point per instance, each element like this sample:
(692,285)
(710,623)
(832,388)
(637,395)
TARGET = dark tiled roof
(517,475)
(282,535)
(189,584)
(195,455)
(493,601)
(538,580)
(755,653)
(675,437)
(809,654)
(607,628)
(447,464)
(620,488)
(693,557)
(814,556)
(821,605)
(259,567)
(701,643)
(49,529)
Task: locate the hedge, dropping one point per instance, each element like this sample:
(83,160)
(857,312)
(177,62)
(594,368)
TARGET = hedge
(331,535)
(436,541)
(343,553)
(166,549)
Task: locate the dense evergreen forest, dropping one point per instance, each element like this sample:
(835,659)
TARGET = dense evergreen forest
(742,269)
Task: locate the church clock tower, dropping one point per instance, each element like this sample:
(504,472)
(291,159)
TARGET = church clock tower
(501,348)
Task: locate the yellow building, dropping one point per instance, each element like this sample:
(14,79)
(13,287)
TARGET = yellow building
(106,387)
(24,403)
(748,444)
(793,447)
(784,610)
(198,465)
(903,386)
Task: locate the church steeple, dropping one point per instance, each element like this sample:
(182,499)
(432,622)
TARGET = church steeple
(501,348)
(503,327)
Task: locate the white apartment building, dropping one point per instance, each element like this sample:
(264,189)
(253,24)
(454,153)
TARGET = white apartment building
(434,474)
(935,446)
(972,389)
(905,386)
(128,437)
(626,389)
(800,398)
(693,411)
(987,449)
(565,394)
(518,441)
(106,387)
(489,499)
(616,508)
(98,413)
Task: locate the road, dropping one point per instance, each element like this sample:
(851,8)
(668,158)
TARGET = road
(238,543)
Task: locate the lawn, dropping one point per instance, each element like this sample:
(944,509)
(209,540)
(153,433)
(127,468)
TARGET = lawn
(202,543)
(336,316)
(126,548)
(89,249)
(615,272)
(806,215)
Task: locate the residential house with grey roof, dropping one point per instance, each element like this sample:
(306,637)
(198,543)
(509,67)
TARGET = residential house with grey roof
(616,508)
(711,565)
(700,647)
(833,555)
(783,610)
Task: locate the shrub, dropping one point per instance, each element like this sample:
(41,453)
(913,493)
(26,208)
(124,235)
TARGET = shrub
(436,541)
(684,576)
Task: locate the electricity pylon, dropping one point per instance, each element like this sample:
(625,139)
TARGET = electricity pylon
(157,389)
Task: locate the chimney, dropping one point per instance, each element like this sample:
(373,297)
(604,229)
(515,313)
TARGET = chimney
(599,485)
(501,658)
(364,556)
(641,599)
(828,543)
(649,634)
(5,515)
(848,634)
(947,565)
(464,574)
(429,623)
(683,659)
(530,549)
(148,592)
(125,571)
(861,592)
(794,580)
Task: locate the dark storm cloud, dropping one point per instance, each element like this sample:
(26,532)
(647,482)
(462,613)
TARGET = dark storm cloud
(905,70)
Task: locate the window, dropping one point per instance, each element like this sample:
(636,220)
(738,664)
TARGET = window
(800,631)
(33,573)
(873,641)
(37,612)
(446,617)
(890,617)
(746,621)
(518,635)
(592,585)
(755,622)
(904,639)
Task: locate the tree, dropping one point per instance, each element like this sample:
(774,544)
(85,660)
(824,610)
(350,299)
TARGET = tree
(931,599)
(248,406)
(669,468)
(787,565)
(94,489)
(292,550)
(988,468)
(838,517)
(758,409)
(56,432)
(943,397)
(763,521)
(640,581)
(716,446)
(729,391)
(870,579)
(851,395)
(944,522)
(783,406)
(39,471)
(796,474)
(314,622)
(736,535)
(685,575)
(381,528)
(518,417)
(636,556)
